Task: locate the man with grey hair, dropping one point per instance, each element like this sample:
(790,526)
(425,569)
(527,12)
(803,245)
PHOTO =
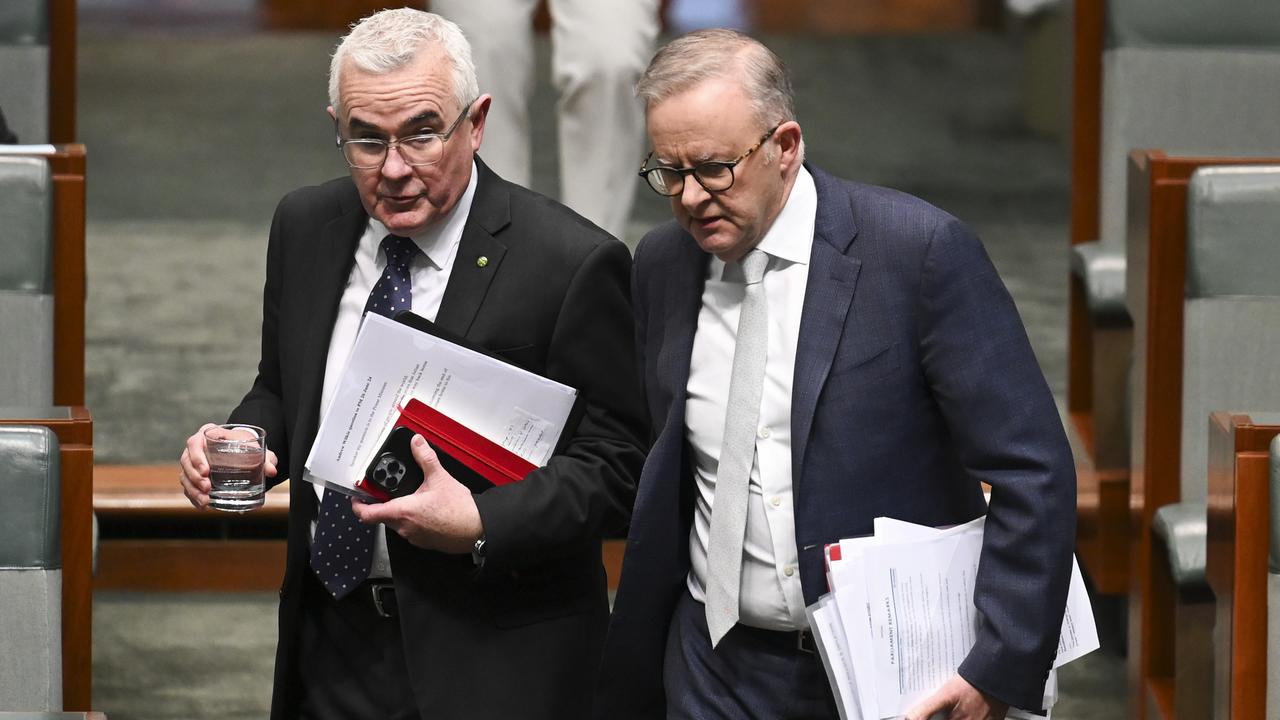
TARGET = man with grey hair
(443,603)
(815,353)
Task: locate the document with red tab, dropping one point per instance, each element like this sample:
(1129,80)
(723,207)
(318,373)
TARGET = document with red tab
(484,463)
(900,617)
(461,395)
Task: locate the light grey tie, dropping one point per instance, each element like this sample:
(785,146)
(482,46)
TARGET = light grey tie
(737,453)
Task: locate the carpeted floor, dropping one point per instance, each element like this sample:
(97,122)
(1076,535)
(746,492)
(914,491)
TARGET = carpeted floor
(164,656)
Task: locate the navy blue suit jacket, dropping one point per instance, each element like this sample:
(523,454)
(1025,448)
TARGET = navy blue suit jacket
(914,382)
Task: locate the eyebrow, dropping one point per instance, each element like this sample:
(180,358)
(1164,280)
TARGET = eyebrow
(358,124)
(355,123)
(423,117)
(696,160)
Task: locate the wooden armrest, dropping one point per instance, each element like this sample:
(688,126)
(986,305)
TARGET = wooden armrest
(152,491)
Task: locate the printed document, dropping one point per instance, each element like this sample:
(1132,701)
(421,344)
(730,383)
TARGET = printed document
(902,602)
(392,362)
(826,626)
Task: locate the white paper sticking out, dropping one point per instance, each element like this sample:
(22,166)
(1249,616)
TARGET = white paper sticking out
(391,363)
(903,602)
(529,436)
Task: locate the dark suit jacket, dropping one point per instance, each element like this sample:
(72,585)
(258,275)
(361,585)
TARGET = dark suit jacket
(553,299)
(914,381)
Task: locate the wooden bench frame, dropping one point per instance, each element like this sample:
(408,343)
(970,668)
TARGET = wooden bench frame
(1101,470)
(1086,178)
(67,170)
(74,430)
(151,492)
(1157,212)
(1236,562)
(62,71)
(69,276)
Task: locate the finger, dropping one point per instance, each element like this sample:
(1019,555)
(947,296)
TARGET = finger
(190,476)
(428,460)
(197,499)
(270,467)
(195,448)
(359,509)
(937,704)
(372,513)
(197,496)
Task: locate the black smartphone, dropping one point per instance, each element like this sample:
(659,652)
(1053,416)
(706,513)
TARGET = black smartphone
(393,470)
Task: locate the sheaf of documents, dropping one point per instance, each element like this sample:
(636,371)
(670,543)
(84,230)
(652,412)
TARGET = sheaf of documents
(900,617)
(392,363)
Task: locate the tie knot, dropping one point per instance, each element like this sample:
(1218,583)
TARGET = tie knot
(399,250)
(753,264)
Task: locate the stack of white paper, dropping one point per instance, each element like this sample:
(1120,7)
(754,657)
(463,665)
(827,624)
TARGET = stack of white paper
(391,363)
(900,617)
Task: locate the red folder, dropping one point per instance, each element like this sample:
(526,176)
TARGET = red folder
(831,553)
(474,460)
(490,460)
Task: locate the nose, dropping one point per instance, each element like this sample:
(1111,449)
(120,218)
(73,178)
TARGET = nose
(394,167)
(693,194)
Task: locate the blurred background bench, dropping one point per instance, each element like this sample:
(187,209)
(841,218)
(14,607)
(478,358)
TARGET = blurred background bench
(1243,524)
(1196,77)
(42,317)
(30,569)
(1206,311)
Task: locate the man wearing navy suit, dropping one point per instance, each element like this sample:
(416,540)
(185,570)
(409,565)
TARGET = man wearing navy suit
(816,353)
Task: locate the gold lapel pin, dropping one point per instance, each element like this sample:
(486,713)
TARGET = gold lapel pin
(482,261)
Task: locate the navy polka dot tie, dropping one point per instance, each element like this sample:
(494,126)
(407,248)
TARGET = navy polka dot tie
(342,550)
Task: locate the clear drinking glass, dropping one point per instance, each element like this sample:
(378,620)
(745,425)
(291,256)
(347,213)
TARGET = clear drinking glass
(237,455)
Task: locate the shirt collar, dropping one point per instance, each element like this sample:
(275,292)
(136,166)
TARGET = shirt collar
(441,238)
(790,238)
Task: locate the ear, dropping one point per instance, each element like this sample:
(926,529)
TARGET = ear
(479,114)
(788,137)
(332,113)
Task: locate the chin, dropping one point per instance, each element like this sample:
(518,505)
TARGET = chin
(406,225)
(716,245)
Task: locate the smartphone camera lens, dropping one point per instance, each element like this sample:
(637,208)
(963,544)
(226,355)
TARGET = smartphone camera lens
(389,472)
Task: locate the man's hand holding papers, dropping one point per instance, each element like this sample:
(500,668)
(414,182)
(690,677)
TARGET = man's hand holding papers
(958,700)
(393,363)
(904,619)
(441,515)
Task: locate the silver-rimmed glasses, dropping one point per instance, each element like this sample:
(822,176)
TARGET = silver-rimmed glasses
(425,149)
(714,175)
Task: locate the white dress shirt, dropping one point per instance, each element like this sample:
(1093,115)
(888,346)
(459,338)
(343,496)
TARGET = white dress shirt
(771,595)
(430,274)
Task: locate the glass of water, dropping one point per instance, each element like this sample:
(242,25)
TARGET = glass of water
(237,455)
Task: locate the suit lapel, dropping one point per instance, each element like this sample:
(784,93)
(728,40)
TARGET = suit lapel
(479,254)
(674,302)
(330,268)
(833,275)
(681,301)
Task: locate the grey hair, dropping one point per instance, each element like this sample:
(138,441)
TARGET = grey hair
(721,54)
(390,39)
